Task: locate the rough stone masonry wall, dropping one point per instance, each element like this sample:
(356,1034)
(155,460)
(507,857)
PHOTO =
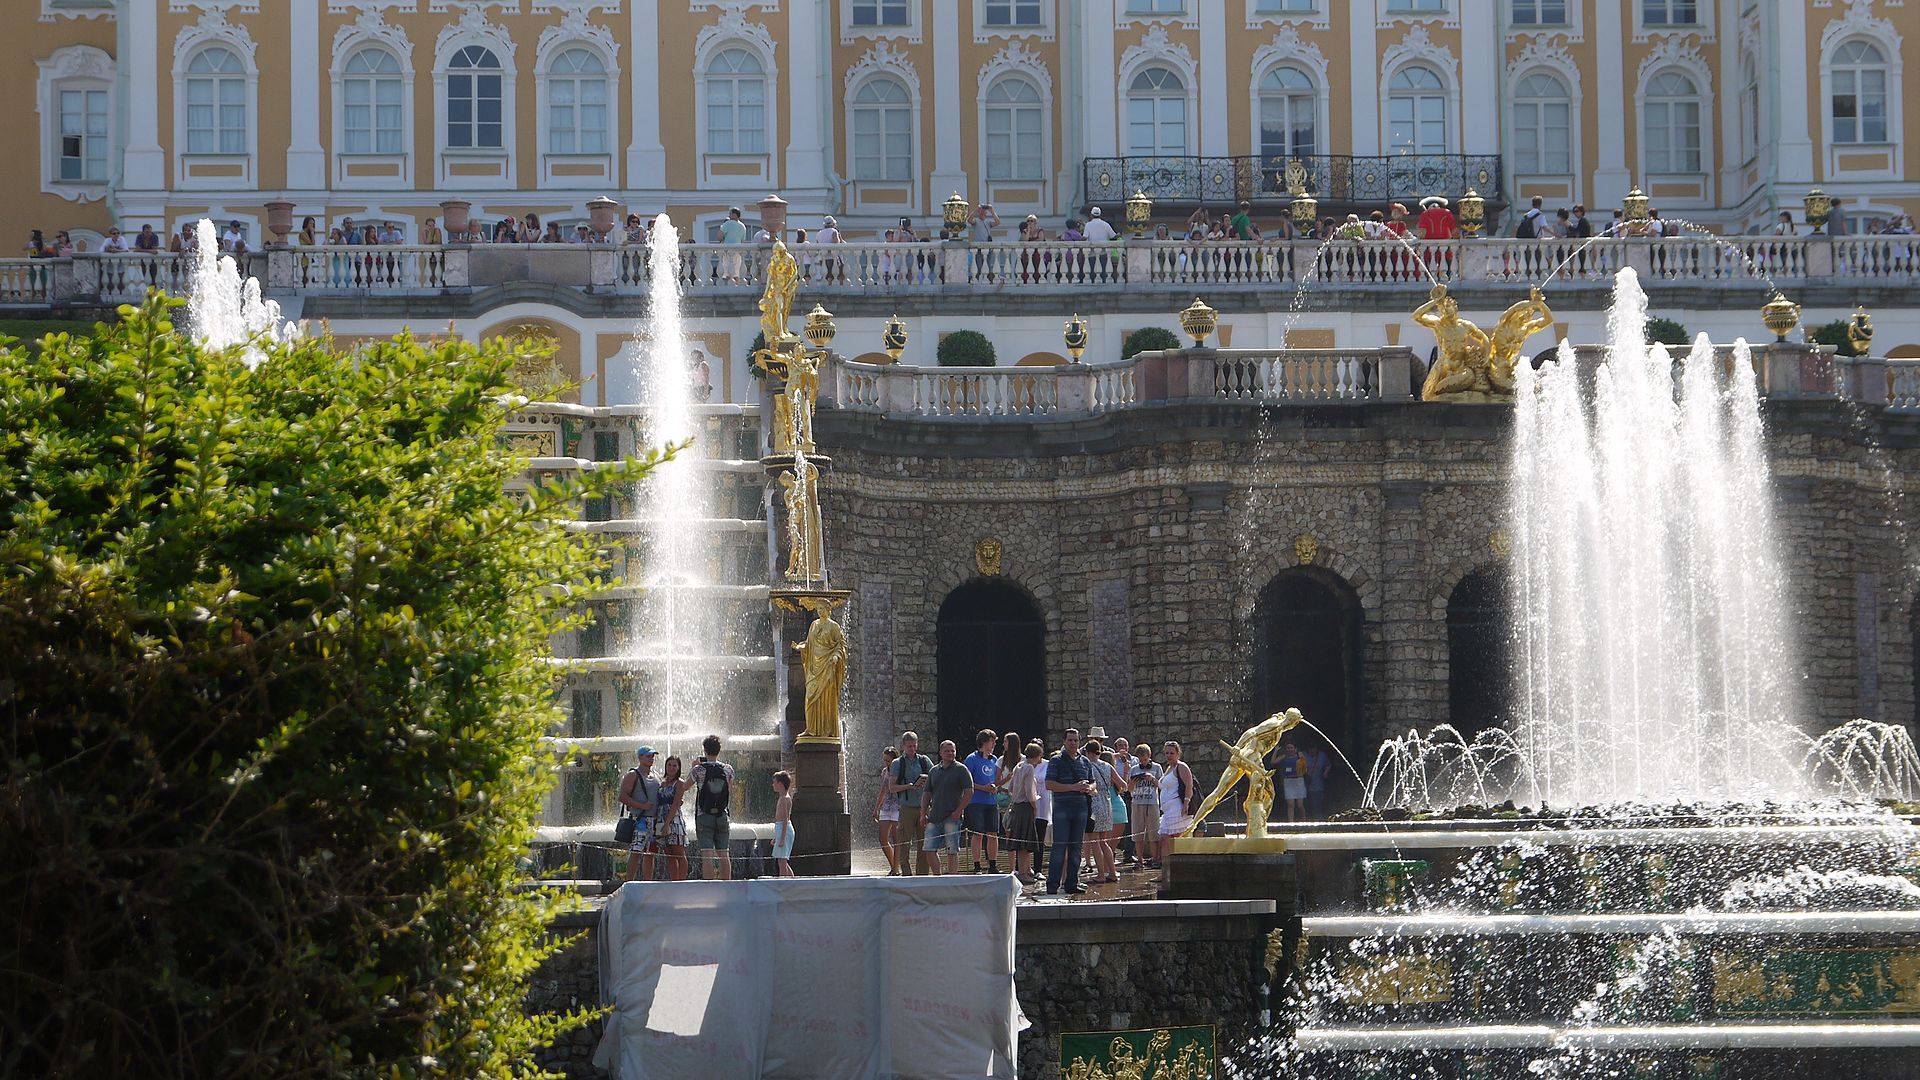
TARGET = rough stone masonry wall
(1179,515)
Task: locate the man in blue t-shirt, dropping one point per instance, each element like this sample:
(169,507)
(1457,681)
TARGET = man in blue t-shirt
(983,813)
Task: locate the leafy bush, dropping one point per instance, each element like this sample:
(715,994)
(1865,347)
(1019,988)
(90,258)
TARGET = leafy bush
(1835,334)
(1666,331)
(273,683)
(1148,339)
(759,342)
(965,348)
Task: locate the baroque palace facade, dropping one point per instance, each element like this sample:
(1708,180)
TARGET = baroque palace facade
(1725,111)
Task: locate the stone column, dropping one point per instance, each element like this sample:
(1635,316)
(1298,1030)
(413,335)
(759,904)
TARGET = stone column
(949,170)
(1613,177)
(1363,72)
(143,163)
(646,157)
(805,74)
(1097,80)
(1213,87)
(306,160)
(1793,146)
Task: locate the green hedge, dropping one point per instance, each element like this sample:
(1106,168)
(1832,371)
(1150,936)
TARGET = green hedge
(965,348)
(1148,339)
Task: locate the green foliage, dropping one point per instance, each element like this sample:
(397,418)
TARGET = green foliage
(965,348)
(753,350)
(273,685)
(1835,334)
(1148,339)
(31,332)
(1666,331)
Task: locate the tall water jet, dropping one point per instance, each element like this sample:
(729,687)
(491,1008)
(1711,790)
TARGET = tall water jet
(1655,647)
(226,310)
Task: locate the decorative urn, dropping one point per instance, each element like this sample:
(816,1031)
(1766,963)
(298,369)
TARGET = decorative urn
(1198,320)
(1076,336)
(819,328)
(1473,213)
(1819,206)
(603,213)
(953,214)
(1305,212)
(773,215)
(1781,315)
(1636,205)
(1139,213)
(280,220)
(454,216)
(893,337)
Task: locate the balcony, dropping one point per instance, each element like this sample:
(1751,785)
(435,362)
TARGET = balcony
(1335,179)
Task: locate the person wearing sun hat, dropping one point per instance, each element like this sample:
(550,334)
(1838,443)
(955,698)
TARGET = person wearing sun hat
(1436,221)
(639,796)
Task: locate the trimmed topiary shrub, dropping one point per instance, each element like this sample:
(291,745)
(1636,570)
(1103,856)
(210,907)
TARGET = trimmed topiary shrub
(1835,334)
(1148,339)
(274,678)
(965,348)
(1666,331)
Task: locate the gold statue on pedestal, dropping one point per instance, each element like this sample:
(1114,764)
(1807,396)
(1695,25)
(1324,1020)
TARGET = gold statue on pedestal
(1474,365)
(806,547)
(1247,761)
(824,655)
(776,304)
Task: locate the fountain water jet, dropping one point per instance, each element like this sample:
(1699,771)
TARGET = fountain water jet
(225,310)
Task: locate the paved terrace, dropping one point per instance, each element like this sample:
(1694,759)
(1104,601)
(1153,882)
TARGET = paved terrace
(1007,278)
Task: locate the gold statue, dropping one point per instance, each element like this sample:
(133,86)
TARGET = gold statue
(776,304)
(1462,365)
(1247,760)
(824,654)
(803,386)
(1510,334)
(1860,332)
(806,550)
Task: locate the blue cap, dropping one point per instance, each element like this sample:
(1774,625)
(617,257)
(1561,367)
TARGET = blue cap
(645,751)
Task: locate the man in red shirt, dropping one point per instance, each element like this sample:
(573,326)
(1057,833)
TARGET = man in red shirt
(1436,221)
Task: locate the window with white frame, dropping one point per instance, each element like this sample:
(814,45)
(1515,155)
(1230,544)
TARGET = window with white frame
(1285,7)
(1542,125)
(474,100)
(1539,13)
(1407,7)
(879,12)
(1011,13)
(1156,7)
(1416,111)
(83,134)
(736,84)
(1670,129)
(1288,108)
(1859,107)
(216,91)
(372,105)
(1015,130)
(1749,108)
(882,130)
(577,103)
(1669,12)
(1156,114)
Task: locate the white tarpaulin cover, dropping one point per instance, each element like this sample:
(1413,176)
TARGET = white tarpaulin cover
(848,978)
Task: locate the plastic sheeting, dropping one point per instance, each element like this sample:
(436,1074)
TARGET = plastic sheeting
(810,977)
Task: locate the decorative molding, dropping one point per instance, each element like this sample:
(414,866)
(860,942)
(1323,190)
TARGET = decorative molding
(213,26)
(1016,56)
(1318,18)
(1156,45)
(371,27)
(1859,21)
(987,553)
(742,6)
(1677,52)
(733,26)
(245,7)
(1288,47)
(76,9)
(1187,18)
(883,56)
(474,7)
(582,8)
(473,24)
(377,7)
(77,62)
(1540,53)
(1449,18)
(574,27)
(1419,45)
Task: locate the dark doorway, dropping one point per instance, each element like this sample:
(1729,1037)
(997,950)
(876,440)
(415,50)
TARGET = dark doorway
(1479,653)
(1307,635)
(991,652)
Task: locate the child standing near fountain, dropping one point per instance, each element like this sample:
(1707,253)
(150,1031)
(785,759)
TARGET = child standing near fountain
(783,822)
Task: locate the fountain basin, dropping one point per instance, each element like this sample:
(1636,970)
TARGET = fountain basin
(1692,1037)
(625,526)
(631,664)
(719,592)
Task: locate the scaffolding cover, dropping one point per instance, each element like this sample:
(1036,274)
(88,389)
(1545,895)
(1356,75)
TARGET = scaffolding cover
(810,977)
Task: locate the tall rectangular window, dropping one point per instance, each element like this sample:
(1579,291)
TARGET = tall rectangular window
(1539,12)
(1669,12)
(83,134)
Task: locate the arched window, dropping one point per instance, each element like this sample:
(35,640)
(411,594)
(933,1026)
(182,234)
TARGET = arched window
(1542,125)
(216,89)
(372,103)
(1308,630)
(882,130)
(1287,110)
(1014,128)
(1671,127)
(1479,654)
(1859,106)
(1156,114)
(1417,111)
(736,103)
(577,103)
(474,105)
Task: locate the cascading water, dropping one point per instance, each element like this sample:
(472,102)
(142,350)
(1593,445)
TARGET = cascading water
(1655,648)
(226,310)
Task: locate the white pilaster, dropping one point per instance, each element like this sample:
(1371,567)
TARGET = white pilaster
(1613,176)
(1213,86)
(1792,88)
(143,163)
(949,169)
(1363,71)
(646,157)
(1103,98)
(807,87)
(306,160)
(1480,74)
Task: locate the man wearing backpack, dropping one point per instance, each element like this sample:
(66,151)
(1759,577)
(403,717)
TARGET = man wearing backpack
(909,781)
(712,823)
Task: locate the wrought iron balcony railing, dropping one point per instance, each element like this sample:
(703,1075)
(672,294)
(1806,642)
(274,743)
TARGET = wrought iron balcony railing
(1328,177)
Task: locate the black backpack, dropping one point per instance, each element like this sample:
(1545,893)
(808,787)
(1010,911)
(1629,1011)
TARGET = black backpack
(1526,231)
(714,793)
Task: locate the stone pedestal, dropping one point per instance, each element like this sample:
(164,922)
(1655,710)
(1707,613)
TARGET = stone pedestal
(822,828)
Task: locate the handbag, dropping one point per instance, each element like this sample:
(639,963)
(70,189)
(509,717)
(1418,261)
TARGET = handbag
(623,830)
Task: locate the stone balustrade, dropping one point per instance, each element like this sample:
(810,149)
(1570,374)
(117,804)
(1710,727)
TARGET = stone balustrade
(963,268)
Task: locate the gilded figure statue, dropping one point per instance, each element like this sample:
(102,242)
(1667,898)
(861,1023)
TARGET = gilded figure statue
(1510,334)
(776,304)
(806,549)
(824,655)
(1247,761)
(1462,364)
(803,386)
